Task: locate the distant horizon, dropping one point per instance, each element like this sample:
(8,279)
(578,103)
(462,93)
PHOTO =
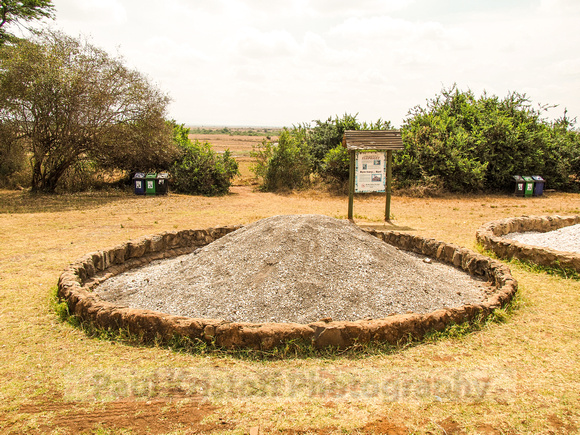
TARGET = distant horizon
(232,126)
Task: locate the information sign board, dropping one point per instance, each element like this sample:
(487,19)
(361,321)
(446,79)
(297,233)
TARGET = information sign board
(370,172)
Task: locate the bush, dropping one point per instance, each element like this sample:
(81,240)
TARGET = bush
(286,164)
(471,144)
(201,171)
(326,137)
(335,167)
(304,150)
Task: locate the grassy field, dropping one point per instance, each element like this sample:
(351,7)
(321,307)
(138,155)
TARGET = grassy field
(519,376)
(240,146)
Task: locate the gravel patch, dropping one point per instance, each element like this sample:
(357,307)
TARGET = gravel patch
(297,268)
(564,239)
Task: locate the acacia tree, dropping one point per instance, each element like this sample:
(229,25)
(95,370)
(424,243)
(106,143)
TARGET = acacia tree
(19,11)
(69,101)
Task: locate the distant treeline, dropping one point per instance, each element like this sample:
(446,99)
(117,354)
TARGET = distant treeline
(232,131)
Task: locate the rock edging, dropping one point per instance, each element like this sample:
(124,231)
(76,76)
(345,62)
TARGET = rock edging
(491,237)
(77,281)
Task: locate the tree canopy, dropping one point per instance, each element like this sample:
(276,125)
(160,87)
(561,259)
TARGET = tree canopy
(20,11)
(68,101)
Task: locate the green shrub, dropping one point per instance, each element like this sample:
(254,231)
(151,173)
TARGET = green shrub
(326,136)
(201,171)
(472,144)
(335,167)
(261,154)
(304,150)
(286,164)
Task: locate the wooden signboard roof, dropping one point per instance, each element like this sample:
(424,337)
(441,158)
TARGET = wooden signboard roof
(373,140)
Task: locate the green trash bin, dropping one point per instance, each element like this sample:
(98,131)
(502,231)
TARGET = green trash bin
(150,180)
(528,185)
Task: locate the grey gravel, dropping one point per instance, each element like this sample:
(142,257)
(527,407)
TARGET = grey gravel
(564,239)
(294,268)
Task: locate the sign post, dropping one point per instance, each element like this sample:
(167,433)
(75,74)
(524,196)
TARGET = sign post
(351,184)
(388,188)
(370,170)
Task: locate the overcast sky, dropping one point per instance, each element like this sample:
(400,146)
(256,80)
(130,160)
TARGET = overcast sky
(279,63)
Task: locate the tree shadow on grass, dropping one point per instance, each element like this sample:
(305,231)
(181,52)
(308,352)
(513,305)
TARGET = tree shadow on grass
(22,202)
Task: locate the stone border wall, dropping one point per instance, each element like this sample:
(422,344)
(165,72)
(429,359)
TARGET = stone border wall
(491,235)
(79,279)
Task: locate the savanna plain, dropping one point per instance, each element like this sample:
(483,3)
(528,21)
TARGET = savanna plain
(516,374)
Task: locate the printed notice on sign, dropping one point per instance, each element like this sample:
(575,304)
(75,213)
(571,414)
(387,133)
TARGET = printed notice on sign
(370,172)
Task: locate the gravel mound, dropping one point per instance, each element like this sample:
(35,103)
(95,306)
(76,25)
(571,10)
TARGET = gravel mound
(564,239)
(298,268)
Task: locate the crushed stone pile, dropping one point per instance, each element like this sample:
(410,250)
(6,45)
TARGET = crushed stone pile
(296,268)
(564,239)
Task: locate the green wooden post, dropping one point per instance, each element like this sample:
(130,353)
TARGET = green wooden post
(351,185)
(388,187)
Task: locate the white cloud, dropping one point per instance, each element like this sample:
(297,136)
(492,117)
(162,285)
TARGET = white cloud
(103,11)
(358,8)
(253,43)
(559,7)
(384,26)
(265,62)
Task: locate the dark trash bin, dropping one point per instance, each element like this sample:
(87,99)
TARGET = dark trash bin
(139,183)
(538,185)
(520,185)
(150,180)
(162,183)
(529,185)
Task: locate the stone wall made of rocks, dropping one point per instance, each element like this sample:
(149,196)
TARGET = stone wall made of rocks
(490,236)
(80,278)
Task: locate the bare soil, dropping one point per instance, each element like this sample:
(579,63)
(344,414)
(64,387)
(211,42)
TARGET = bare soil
(156,416)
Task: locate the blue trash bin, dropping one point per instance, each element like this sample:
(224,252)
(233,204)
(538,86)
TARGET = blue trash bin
(538,185)
(139,183)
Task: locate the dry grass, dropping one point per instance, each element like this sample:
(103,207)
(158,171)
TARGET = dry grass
(521,376)
(240,146)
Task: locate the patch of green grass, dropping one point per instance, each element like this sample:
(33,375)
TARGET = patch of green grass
(460,330)
(529,266)
(58,306)
(556,270)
